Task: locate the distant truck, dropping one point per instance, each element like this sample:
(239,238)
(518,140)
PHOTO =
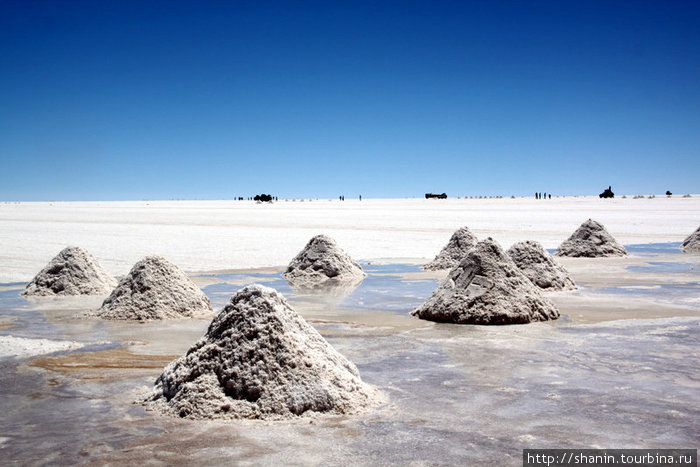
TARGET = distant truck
(607,193)
(436,195)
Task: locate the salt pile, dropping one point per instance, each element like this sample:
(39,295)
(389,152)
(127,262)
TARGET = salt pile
(591,240)
(73,271)
(260,359)
(322,263)
(539,266)
(155,289)
(692,243)
(486,287)
(460,243)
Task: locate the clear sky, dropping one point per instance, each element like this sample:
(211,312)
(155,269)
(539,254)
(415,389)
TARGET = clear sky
(207,100)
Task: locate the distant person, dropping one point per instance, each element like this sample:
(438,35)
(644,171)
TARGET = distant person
(550,196)
(360,197)
(535,195)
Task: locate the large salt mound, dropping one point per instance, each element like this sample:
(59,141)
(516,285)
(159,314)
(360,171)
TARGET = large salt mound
(460,243)
(692,243)
(73,271)
(322,263)
(260,359)
(591,240)
(155,289)
(539,266)
(486,287)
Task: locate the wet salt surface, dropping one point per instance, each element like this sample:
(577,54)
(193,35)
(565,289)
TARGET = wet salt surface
(665,267)
(653,249)
(458,394)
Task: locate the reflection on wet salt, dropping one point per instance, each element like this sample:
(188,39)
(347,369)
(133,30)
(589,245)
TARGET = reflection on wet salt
(653,249)
(681,294)
(470,395)
(390,293)
(665,267)
(398,268)
(383,289)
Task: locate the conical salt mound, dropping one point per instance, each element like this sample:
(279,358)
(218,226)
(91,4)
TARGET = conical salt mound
(539,266)
(322,262)
(460,243)
(591,240)
(486,287)
(73,271)
(260,359)
(155,289)
(692,243)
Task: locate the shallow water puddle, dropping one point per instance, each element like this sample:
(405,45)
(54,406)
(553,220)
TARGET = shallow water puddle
(665,267)
(457,394)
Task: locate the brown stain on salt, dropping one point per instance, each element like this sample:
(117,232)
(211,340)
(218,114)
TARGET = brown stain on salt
(86,364)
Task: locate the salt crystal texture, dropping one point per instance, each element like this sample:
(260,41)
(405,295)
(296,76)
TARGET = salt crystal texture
(460,243)
(322,263)
(73,271)
(260,359)
(486,287)
(539,266)
(21,347)
(155,288)
(692,243)
(591,240)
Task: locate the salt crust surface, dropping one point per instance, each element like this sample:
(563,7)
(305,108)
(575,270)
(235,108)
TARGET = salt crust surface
(460,243)
(11,346)
(539,266)
(487,288)
(692,243)
(154,289)
(73,271)
(591,240)
(322,263)
(226,234)
(260,359)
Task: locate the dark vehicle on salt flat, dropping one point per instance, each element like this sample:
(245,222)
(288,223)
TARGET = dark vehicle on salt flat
(436,195)
(607,193)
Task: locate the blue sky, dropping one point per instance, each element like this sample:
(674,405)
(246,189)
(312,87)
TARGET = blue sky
(208,100)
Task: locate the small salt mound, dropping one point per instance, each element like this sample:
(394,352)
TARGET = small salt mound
(486,287)
(155,289)
(692,243)
(260,359)
(591,240)
(459,245)
(539,266)
(322,263)
(73,271)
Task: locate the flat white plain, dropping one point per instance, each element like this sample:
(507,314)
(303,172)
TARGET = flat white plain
(226,234)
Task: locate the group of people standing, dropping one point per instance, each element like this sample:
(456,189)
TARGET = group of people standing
(539,195)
